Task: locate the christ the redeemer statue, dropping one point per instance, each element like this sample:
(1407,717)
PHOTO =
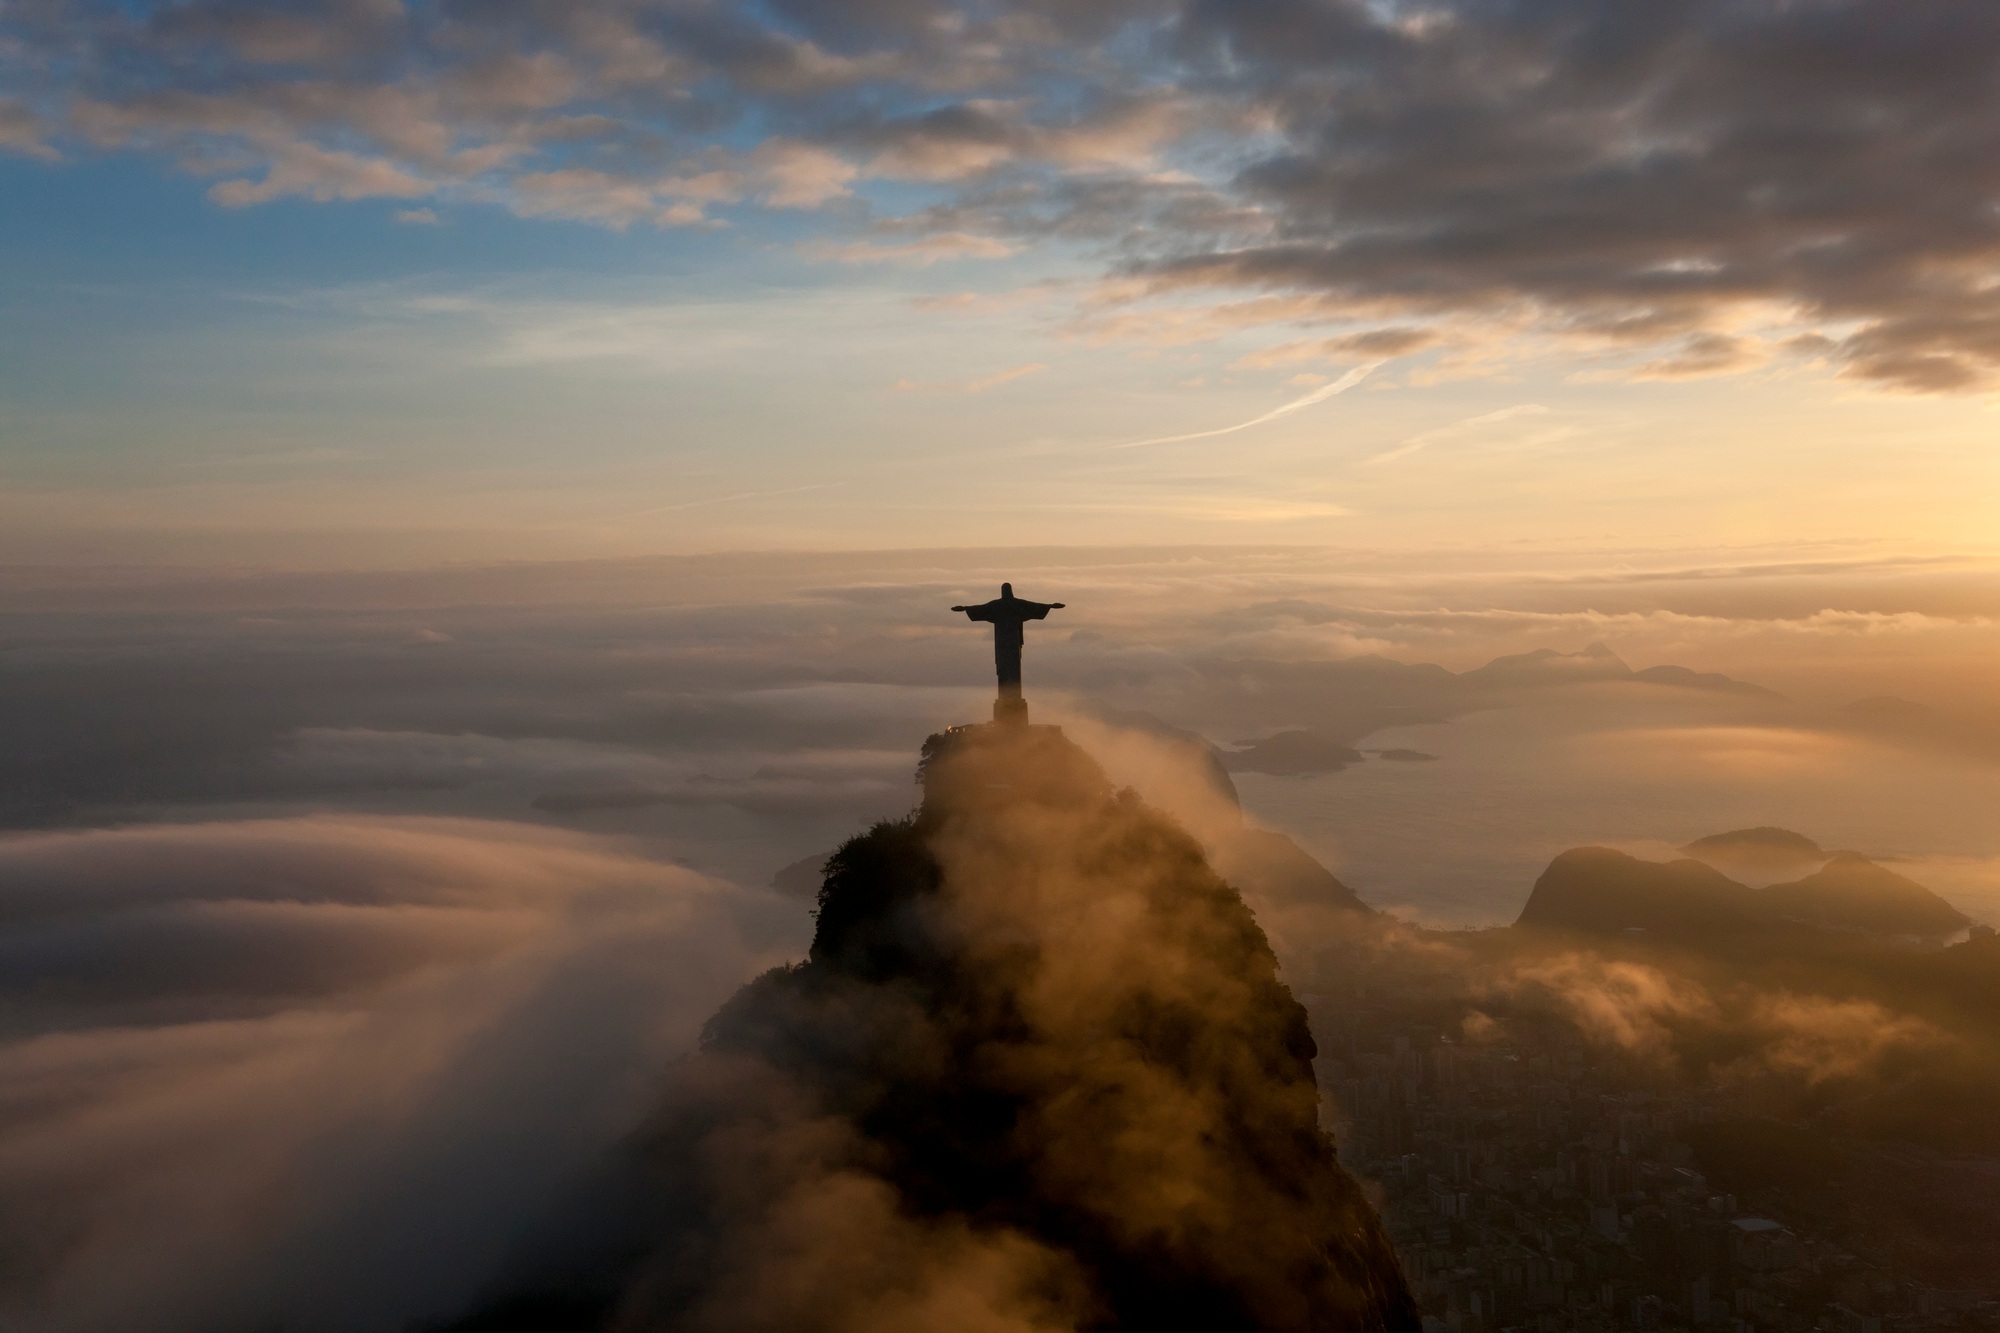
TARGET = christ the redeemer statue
(1007,613)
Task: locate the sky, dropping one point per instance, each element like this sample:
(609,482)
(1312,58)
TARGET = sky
(482,486)
(364,284)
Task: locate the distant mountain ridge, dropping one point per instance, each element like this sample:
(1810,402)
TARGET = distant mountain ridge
(1597,662)
(1763,841)
(1600,890)
(1851,892)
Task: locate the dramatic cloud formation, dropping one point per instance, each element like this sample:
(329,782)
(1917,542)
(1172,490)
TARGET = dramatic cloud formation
(257,1064)
(1039,1071)
(1684,189)
(324,1071)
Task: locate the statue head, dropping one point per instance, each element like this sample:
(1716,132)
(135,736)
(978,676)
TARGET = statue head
(1006,590)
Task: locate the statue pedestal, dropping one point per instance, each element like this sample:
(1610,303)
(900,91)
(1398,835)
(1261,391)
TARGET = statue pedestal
(1012,710)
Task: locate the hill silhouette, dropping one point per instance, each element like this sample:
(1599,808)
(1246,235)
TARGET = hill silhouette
(1038,1072)
(1546,666)
(1271,867)
(1599,890)
(1603,891)
(1851,892)
(1763,844)
(1291,754)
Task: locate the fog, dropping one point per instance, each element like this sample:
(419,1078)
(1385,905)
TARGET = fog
(736,715)
(351,926)
(322,1070)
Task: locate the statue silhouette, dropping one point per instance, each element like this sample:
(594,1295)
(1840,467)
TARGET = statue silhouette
(1007,613)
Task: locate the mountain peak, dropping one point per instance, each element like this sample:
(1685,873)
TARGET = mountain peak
(1049,1032)
(1764,848)
(1852,893)
(1606,891)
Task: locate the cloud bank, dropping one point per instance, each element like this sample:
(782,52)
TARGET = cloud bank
(1689,188)
(326,1072)
(740,714)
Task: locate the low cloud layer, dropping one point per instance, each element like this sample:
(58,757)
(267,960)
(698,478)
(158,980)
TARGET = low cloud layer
(388,943)
(1660,1015)
(1693,188)
(330,1072)
(739,716)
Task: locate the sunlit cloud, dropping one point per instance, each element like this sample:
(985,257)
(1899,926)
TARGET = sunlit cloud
(1351,203)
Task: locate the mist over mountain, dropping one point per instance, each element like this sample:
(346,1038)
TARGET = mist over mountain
(1037,1072)
(668,700)
(488,504)
(1613,1111)
(320,1014)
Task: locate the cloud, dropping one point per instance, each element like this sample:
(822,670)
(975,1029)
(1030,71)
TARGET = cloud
(1672,1016)
(1374,344)
(999,378)
(1638,179)
(802,175)
(323,1072)
(584,194)
(1696,189)
(321,174)
(1698,356)
(22,131)
(1819,1039)
(922,252)
(1636,1007)
(747,711)
(317,36)
(980,135)
(1319,395)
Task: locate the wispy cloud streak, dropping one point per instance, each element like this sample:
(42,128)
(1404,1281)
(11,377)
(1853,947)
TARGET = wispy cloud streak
(1319,395)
